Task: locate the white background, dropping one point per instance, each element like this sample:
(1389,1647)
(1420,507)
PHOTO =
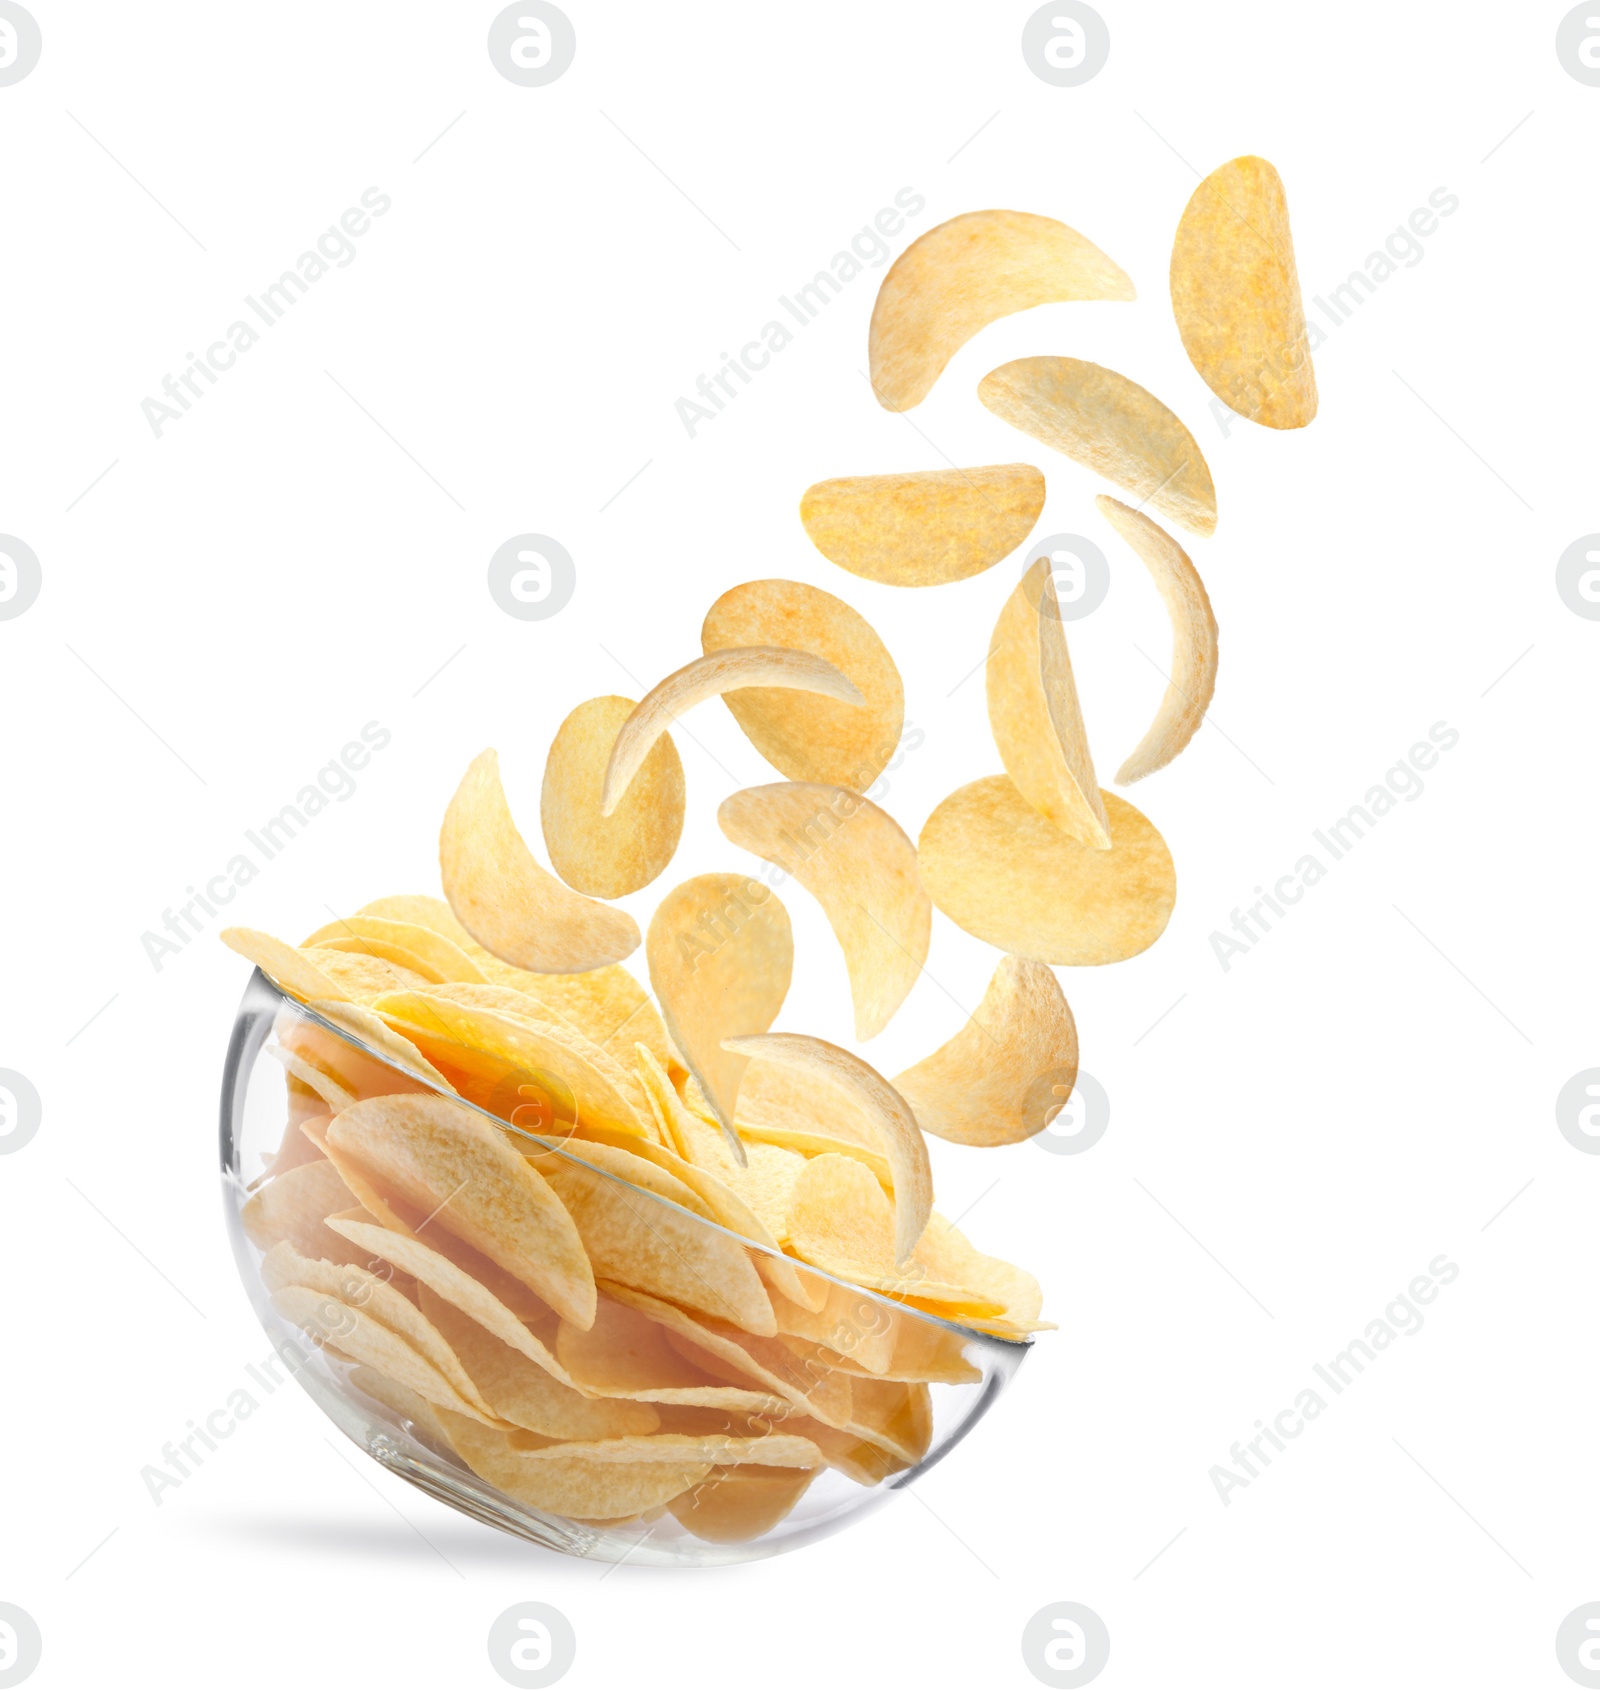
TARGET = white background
(231,602)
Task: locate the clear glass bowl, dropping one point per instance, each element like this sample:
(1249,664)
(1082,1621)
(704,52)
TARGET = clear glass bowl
(677,1363)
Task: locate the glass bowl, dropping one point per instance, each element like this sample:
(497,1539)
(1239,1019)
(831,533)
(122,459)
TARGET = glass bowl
(452,1372)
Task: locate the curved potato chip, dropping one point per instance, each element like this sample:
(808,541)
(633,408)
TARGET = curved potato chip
(423,911)
(815,738)
(999,870)
(894,1124)
(288,966)
(922,528)
(721,952)
(365,977)
(335,1096)
(734,1505)
(378,950)
(1100,419)
(1034,714)
(854,860)
(375,1033)
(957,278)
(614,854)
(403,1402)
(1009,1071)
(1236,296)
(510,905)
(295,1206)
(634,1167)
(411,944)
(705,678)
(1194,640)
(447,1160)
(950,1253)
(773,1097)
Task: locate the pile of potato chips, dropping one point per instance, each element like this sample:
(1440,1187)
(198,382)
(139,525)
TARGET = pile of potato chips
(626,1255)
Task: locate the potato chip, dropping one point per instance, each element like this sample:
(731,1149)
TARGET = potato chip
(446,1159)
(423,911)
(355,1070)
(636,1168)
(841,1222)
(774,1096)
(610,855)
(811,738)
(517,1390)
(377,1036)
(1034,714)
(950,1254)
(510,905)
(957,278)
(922,528)
(735,1505)
(772,1449)
(402,1402)
(926,1365)
(851,1324)
(295,1147)
(1009,1071)
(762,1186)
(290,968)
(1194,640)
(381,950)
(721,952)
(411,944)
(650,1246)
(1001,871)
(1236,296)
(382,1206)
(1113,426)
(363,977)
(666,1106)
(894,1124)
(294,1207)
(325,1086)
(854,860)
(705,678)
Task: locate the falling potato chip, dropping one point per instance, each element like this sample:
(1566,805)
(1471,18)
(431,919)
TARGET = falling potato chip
(1113,426)
(1194,640)
(294,1206)
(288,966)
(953,280)
(649,1246)
(1236,296)
(705,678)
(1001,871)
(894,1124)
(811,737)
(510,905)
(446,1159)
(376,1034)
(1009,1071)
(735,1505)
(1034,714)
(721,952)
(611,855)
(774,1096)
(922,528)
(854,860)
(411,944)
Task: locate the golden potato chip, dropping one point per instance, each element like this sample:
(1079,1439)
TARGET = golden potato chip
(637,1168)
(290,968)
(894,1124)
(841,1222)
(376,1034)
(510,905)
(1194,640)
(922,528)
(610,855)
(626,1355)
(446,1159)
(414,946)
(380,950)
(950,1255)
(355,1070)
(294,1205)
(402,1402)
(520,1391)
(851,1324)
(705,678)
(665,1105)
(424,911)
(811,738)
(335,1096)
(1008,1072)
(854,860)
(926,1365)
(382,1206)
(762,1186)
(773,1449)
(1034,714)
(721,952)
(650,1246)
(1236,296)
(1000,870)
(363,977)
(957,278)
(1113,426)
(773,1096)
(734,1505)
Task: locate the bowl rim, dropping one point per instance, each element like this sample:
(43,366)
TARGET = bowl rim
(239,1060)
